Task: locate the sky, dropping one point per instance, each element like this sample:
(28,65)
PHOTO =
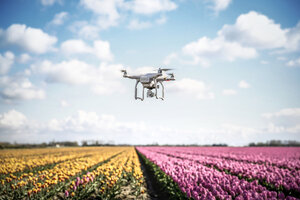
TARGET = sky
(236,64)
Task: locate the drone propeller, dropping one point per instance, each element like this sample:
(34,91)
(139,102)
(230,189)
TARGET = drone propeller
(171,74)
(166,69)
(124,71)
(160,70)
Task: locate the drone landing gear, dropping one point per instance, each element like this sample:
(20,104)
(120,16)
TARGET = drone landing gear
(135,93)
(162,91)
(149,92)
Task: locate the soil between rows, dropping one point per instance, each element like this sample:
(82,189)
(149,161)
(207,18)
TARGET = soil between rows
(153,189)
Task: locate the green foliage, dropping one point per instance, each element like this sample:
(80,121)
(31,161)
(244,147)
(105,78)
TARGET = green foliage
(166,186)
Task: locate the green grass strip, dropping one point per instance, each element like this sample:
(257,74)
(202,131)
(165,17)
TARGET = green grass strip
(165,186)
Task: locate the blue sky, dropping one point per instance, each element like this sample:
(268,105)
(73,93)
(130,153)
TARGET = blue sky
(237,68)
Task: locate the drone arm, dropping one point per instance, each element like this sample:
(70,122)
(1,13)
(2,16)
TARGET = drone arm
(132,77)
(126,76)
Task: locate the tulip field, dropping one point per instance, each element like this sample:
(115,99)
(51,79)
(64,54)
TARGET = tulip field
(174,172)
(230,173)
(71,173)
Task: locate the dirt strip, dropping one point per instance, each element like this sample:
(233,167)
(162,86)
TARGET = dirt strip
(154,192)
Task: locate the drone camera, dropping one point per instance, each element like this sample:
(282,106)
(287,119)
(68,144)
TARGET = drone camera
(150,93)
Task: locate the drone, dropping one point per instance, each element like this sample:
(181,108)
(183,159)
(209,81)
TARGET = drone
(151,81)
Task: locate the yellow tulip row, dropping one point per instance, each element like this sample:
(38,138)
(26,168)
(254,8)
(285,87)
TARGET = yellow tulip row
(68,163)
(108,174)
(41,179)
(28,159)
(63,171)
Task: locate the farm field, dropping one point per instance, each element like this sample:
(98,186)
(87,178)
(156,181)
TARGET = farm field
(71,173)
(151,173)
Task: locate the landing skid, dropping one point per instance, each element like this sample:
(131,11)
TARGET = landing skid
(156,91)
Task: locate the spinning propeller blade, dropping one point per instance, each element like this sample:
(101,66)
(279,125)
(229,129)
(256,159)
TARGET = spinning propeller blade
(160,70)
(166,69)
(124,72)
(171,74)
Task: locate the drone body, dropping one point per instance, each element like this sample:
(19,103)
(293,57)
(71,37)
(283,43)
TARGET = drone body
(151,81)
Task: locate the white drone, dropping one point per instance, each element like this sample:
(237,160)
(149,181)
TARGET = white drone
(151,81)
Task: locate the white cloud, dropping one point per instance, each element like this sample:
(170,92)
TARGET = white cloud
(106,10)
(251,32)
(287,112)
(19,88)
(255,30)
(264,62)
(50,2)
(64,103)
(59,18)
(73,72)
(281,58)
(85,30)
(285,121)
(293,129)
(294,63)
(85,125)
(293,39)
(12,119)
(75,47)
(161,20)
(140,70)
(135,24)
(24,58)
(6,61)
(191,87)
(242,130)
(205,48)
(29,39)
(243,84)
(104,79)
(170,58)
(218,5)
(89,32)
(273,128)
(101,49)
(148,7)
(85,121)
(229,92)
(110,12)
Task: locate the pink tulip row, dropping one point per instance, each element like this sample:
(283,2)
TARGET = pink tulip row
(203,182)
(278,177)
(275,156)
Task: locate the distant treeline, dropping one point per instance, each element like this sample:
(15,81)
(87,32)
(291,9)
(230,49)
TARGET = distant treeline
(7,145)
(276,143)
(271,143)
